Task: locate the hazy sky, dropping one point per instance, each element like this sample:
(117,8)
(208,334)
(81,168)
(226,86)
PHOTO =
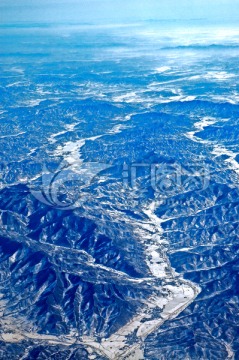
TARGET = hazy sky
(115,10)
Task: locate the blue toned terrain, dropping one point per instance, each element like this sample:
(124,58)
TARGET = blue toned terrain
(119,199)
